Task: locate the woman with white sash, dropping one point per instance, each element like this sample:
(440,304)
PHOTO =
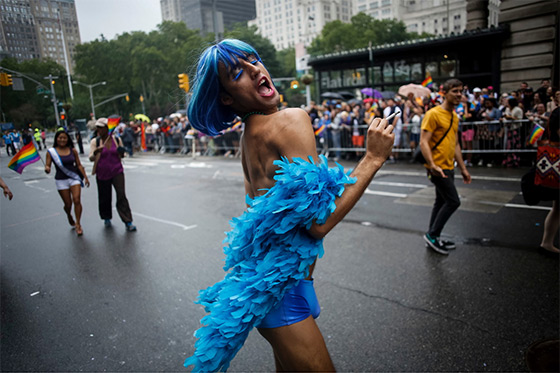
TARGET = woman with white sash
(68,177)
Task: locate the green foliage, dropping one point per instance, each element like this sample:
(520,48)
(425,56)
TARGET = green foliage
(24,107)
(337,36)
(139,64)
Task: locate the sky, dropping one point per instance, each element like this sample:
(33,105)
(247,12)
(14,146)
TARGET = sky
(114,17)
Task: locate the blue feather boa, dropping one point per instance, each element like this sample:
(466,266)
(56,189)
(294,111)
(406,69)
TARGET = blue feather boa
(268,251)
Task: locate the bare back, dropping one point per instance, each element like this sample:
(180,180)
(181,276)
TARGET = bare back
(266,138)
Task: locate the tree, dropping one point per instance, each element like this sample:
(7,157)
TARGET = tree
(140,64)
(23,107)
(337,36)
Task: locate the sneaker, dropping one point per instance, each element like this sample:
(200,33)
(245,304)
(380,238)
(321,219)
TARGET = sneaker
(449,245)
(108,223)
(130,227)
(435,244)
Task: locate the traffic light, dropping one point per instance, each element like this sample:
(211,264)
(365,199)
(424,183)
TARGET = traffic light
(294,84)
(9,79)
(53,81)
(63,116)
(3,79)
(184,82)
(127,98)
(141,98)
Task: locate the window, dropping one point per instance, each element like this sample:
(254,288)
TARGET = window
(386,12)
(374,4)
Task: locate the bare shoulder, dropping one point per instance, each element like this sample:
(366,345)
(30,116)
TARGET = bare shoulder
(295,133)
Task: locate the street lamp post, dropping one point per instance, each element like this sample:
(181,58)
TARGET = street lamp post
(90,86)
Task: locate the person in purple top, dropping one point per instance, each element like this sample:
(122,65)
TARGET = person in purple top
(68,177)
(106,151)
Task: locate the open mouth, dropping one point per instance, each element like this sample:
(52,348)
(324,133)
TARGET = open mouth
(265,88)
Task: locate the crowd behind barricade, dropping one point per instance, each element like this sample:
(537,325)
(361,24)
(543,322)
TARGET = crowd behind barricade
(495,128)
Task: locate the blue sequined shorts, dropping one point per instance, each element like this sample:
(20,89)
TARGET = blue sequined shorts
(300,302)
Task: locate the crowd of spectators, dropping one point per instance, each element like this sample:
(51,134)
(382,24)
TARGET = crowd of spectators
(494,126)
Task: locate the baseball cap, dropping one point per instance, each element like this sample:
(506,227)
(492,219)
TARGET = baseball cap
(101,122)
(477,90)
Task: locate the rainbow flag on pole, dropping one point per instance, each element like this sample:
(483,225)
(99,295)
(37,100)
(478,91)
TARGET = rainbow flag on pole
(27,155)
(536,134)
(320,130)
(428,81)
(112,123)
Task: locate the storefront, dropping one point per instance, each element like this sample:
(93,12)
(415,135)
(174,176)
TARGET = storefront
(473,57)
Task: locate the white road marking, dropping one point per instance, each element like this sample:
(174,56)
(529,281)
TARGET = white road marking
(514,205)
(385,194)
(402,195)
(458,176)
(30,182)
(404,185)
(184,227)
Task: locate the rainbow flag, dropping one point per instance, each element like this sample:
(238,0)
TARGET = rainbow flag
(428,81)
(236,126)
(319,130)
(536,134)
(27,155)
(112,123)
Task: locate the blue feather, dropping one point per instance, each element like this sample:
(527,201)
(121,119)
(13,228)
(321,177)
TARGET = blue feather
(267,253)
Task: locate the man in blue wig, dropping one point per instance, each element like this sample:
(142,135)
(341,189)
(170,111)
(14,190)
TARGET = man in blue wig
(294,200)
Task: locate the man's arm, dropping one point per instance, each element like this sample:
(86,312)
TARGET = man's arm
(434,169)
(461,164)
(298,141)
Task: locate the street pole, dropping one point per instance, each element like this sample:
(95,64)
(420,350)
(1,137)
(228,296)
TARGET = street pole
(90,87)
(65,57)
(91,101)
(50,78)
(372,66)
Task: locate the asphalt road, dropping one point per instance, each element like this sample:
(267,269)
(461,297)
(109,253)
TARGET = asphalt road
(118,301)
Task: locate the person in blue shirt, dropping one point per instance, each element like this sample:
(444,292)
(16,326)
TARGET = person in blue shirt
(9,143)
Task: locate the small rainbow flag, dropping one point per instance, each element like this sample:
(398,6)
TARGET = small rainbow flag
(319,130)
(536,134)
(428,81)
(27,155)
(112,123)
(236,126)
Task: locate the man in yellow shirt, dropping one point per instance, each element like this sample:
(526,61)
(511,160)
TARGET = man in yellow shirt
(440,146)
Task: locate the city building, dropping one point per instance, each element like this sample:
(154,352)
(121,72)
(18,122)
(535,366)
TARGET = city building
(431,16)
(202,14)
(37,28)
(523,48)
(287,23)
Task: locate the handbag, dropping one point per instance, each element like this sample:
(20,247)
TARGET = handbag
(548,167)
(533,194)
(418,157)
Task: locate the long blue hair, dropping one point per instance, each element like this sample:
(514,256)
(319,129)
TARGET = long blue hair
(206,111)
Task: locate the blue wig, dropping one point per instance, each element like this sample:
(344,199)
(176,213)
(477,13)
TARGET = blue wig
(206,111)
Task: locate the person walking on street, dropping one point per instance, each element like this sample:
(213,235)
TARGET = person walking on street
(106,152)
(440,146)
(294,201)
(37,136)
(44,139)
(68,177)
(9,143)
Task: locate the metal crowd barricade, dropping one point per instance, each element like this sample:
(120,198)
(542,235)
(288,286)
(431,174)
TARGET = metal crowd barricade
(488,137)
